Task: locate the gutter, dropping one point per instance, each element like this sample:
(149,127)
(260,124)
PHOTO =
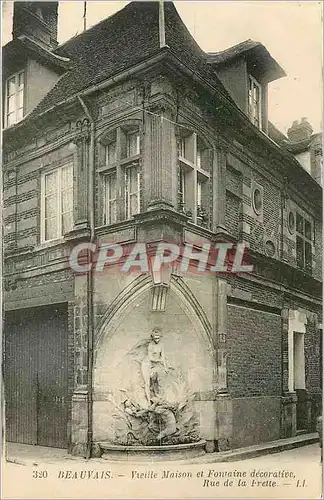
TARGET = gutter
(90,312)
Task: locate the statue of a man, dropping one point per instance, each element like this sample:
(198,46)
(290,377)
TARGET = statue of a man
(154,366)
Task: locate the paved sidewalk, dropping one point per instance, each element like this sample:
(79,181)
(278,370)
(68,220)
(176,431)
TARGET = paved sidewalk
(24,454)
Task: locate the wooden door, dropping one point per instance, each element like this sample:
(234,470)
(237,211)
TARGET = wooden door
(52,379)
(35,373)
(20,375)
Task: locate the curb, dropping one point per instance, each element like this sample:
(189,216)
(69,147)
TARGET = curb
(216,457)
(244,454)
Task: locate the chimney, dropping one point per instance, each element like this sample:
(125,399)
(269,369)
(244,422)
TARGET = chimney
(300,131)
(38,21)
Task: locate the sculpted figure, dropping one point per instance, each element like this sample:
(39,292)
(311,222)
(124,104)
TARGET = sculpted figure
(155,407)
(153,366)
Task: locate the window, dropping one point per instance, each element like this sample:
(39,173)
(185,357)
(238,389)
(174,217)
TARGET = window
(198,157)
(199,188)
(132,144)
(202,216)
(132,191)
(182,189)
(303,243)
(291,222)
(120,174)
(194,168)
(182,148)
(255,102)
(14,98)
(57,203)
(257,201)
(110,215)
(110,153)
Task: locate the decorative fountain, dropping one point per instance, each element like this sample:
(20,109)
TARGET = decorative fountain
(153,414)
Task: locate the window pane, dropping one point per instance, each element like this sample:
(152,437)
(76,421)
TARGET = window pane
(256,94)
(110,198)
(11,119)
(67,176)
(67,200)
(182,186)
(20,99)
(112,212)
(132,191)
(199,158)
(67,222)
(132,179)
(12,104)
(11,86)
(133,144)
(50,228)
(182,148)
(308,230)
(50,183)
(133,204)
(300,252)
(111,153)
(20,114)
(299,224)
(199,186)
(51,206)
(112,186)
(308,256)
(21,80)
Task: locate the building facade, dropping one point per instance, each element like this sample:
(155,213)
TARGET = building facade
(130,134)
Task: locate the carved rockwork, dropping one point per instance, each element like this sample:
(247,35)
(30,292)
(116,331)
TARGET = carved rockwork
(154,406)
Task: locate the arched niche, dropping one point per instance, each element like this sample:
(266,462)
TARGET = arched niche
(187,345)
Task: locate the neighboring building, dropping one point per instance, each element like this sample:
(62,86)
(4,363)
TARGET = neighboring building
(307,148)
(118,136)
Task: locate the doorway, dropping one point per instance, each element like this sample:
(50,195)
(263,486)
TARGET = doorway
(36,375)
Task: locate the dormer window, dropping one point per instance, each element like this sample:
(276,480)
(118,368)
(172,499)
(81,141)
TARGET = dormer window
(14,106)
(255,102)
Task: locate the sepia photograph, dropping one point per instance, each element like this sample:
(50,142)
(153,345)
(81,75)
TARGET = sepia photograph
(161,260)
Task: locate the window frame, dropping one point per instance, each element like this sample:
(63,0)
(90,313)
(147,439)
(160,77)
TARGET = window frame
(15,75)
(128,194)
(60,235)
(192,172)
(256,84)
(107,212)
(308,267)
(107,153)
(121,134)
(138,143)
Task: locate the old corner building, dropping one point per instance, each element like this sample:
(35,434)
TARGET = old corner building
(128,133)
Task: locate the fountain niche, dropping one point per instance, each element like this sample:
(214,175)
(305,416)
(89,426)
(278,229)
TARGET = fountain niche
(149,371)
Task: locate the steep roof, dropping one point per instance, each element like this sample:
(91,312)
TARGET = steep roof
(120,42)
(116,43)
(234,51)
(253,51)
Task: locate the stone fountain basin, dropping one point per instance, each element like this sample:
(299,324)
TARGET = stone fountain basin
(156,453)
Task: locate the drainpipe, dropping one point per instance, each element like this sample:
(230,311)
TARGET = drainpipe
(91,212)
(161,24)
(283,196)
